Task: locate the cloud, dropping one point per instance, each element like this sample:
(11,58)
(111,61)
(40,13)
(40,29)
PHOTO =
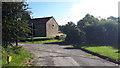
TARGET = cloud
(103,8)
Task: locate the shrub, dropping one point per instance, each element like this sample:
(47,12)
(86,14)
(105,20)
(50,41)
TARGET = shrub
(61,37)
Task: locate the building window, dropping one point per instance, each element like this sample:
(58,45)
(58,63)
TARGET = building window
(52,26)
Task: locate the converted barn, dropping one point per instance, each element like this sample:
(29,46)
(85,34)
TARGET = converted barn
(43,27)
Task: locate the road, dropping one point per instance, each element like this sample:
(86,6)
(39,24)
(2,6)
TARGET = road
(59,55)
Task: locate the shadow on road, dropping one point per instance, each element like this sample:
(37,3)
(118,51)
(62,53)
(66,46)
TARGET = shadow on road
(71,48)
(59,43)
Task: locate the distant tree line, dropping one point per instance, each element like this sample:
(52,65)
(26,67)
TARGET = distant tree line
(92,30)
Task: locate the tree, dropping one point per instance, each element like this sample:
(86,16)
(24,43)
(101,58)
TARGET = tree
(103,31)
(15,22)
(86,21)
(73,33)
(112,18)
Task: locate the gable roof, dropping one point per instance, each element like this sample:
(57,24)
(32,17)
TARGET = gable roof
(42,20)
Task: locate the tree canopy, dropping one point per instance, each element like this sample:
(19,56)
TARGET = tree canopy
(15,17)
(93,30)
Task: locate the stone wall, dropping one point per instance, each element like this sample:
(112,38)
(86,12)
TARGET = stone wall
(51,27)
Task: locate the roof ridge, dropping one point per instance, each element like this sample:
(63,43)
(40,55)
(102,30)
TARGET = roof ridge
(43,17)
(47,17)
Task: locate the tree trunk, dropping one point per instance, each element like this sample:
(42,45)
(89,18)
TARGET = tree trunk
(16,42)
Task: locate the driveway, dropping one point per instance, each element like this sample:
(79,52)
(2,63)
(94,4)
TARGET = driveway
(57,55)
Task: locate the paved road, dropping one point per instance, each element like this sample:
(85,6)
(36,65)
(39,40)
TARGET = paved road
(56,55)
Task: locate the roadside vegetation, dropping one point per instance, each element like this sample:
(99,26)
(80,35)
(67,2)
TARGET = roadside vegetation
(19,56)
(92,30)
(105,51)
(43,37)
(15,20)
(49,37)
(98,35)
(15,27)
(46,41)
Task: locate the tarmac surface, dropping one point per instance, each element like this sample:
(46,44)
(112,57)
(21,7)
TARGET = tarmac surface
(60,55)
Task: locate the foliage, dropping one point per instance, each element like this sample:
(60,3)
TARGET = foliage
(73,33)
(17,59)
(103,31)
(93,31)
(15,19)
(113,18)
(87,21)
(61,37)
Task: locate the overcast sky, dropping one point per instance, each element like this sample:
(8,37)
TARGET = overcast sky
(73,11)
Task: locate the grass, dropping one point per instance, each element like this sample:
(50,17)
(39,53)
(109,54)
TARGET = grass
(42,37)
(18,57)
(69,46)
(105,51)
(90,55)
(46,41)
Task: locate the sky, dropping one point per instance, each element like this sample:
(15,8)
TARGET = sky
(73,11)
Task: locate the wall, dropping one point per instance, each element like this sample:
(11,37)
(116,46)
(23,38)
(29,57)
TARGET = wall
(51,28)
(39,29)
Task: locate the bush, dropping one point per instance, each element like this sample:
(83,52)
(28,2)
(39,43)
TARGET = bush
(61,37)
(74,34)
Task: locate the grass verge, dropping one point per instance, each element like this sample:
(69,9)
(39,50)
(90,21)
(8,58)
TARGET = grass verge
(105,51)
(19,55)
(42,37)
(46,41)
(90,55)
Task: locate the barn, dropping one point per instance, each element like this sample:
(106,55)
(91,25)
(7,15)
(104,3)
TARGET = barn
(43,27)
